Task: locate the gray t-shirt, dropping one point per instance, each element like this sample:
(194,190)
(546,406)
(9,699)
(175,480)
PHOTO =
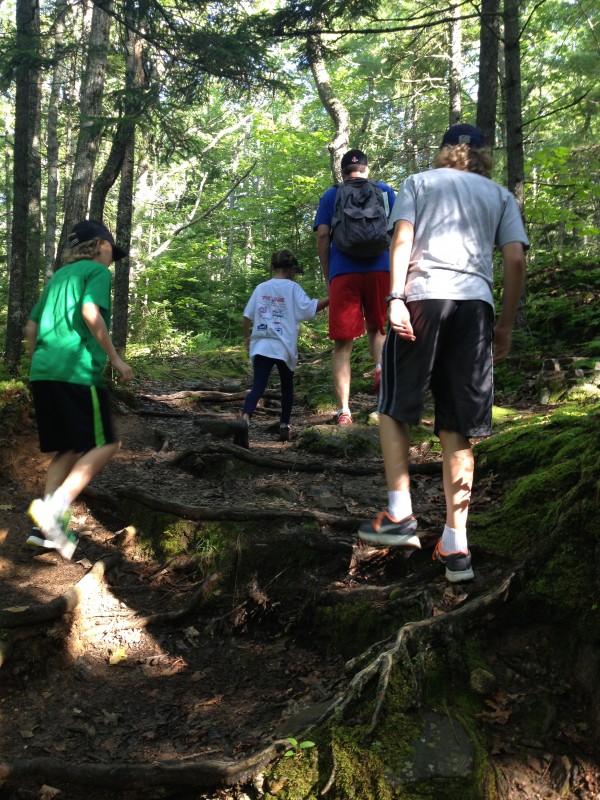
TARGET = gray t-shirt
(458,218)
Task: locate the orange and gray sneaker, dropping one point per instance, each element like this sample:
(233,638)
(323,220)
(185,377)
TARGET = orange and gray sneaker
(390,532)
(344,418)
(458,565)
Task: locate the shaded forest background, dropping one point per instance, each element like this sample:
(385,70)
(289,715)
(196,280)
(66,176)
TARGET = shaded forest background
(203,134)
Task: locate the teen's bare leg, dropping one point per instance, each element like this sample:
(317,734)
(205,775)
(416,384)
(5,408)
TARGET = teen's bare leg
(84,467)
(395,444)
(458,467)
(340,368)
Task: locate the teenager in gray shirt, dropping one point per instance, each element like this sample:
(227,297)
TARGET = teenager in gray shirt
(441,335)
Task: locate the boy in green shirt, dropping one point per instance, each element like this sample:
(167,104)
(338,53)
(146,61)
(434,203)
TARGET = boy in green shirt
(67,335)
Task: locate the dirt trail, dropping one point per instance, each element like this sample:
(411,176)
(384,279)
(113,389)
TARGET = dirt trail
(155,666)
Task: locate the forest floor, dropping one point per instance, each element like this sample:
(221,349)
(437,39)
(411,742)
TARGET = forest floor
(114,683)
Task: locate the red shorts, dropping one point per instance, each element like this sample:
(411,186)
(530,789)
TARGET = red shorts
(357,302)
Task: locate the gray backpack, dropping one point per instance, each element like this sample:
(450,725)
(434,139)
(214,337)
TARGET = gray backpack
(359,226)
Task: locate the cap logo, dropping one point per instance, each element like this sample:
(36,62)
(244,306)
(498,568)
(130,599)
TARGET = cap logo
(464,139)
(354,160)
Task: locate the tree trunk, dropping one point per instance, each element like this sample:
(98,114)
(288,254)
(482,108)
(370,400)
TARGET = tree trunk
(52,141)
(7,182)
(26,102)
(454,81)
(90,126)
(134,80)
(333,106)
(514,118)
(487,95)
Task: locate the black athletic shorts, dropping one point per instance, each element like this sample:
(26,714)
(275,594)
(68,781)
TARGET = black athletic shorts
(452,355)
(71,416)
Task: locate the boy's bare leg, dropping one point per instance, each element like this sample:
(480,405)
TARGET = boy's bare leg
(60,466)
(395,444)
(458,467)
(86,467)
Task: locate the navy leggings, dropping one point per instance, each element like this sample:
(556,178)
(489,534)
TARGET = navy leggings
(262,369)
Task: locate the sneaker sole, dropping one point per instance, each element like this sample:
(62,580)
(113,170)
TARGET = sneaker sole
(391,540)
(37,541)
(455,576)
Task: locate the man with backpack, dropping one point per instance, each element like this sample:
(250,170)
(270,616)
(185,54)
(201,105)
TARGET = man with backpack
(352,244)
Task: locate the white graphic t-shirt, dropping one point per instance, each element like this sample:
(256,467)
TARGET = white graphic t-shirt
(276,309)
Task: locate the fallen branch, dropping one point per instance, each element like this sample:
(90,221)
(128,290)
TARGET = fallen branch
(162,617)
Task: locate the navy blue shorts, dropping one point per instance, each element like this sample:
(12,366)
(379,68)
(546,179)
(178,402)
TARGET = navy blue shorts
(71,416)
(452,356)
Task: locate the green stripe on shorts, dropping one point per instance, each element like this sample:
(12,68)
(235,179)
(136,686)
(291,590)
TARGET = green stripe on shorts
(99,435)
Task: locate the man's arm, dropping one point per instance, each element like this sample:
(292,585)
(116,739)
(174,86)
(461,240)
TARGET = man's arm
(95,322)
(323,245)
(513,260)
(400,250)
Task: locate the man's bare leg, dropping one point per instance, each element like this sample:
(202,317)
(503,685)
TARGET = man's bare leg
(376,340)
(340,367)
(87,466)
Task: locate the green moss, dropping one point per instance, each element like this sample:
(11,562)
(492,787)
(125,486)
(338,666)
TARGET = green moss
(298,776)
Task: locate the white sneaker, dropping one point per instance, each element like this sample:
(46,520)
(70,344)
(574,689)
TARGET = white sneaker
(55,527)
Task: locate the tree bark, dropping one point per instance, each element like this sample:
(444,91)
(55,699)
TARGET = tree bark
(134,81)
(52,140)
(333,106)
(26,102)
(514,118)
(487,95)
(454,80)
(90,126)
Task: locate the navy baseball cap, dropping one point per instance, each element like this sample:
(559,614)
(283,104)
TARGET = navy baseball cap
(463,134)
(353,158)
(87,230)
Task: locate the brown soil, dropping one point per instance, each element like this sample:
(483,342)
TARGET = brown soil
(103,686)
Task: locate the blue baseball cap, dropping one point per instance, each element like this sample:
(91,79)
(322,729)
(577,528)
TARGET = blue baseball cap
(463,134)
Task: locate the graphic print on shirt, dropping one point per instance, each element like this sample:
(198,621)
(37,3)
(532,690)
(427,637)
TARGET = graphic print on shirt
(271,314)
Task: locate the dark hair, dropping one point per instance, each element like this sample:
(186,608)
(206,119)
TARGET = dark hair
(284,259)
(466,158)
(349,169)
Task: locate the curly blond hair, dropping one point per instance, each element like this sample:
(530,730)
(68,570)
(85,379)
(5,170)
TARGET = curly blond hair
(468,159)
(85,250)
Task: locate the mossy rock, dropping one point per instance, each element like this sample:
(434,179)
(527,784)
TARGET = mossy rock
(340,441)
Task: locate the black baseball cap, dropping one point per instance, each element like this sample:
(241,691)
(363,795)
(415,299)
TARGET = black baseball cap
(89,229)
(463,134)
(353,158)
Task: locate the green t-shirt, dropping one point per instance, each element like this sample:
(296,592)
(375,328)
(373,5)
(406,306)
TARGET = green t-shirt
(65,349)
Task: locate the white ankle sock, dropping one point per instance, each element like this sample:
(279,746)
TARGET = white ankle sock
(454,540)
(59,502)
(399,504)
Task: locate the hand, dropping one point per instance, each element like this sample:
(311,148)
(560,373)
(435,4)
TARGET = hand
(124,370)
(400,320)
(502,342)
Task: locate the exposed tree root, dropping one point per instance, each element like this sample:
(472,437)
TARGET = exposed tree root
(222,450)
(206,396)
(47,612)
(210,513)
(201,774)
(454,623)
